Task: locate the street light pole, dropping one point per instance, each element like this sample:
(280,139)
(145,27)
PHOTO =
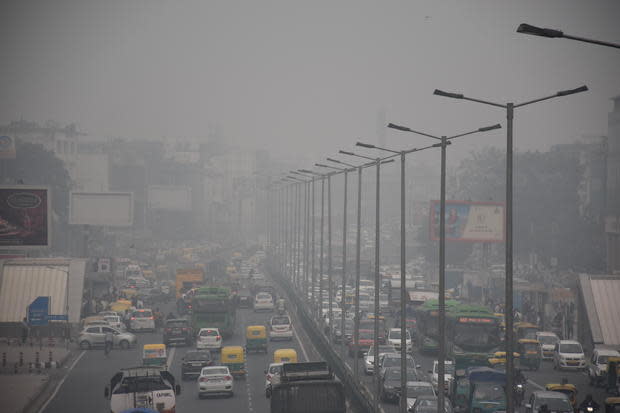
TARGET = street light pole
(509,107)
(553,33)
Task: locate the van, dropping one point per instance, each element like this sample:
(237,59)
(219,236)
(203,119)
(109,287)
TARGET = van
(568,354)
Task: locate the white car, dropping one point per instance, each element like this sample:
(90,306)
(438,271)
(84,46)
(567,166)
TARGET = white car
(568,354)
(369,357)
(215,380)
(114,321)
(416,389)
(597,368)
(272,376)
(448,375)
(142,320)
(263,302)
(394,338)
(280,327)
(209,339)
(547,340)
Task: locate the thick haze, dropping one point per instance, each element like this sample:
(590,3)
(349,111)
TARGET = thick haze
(304,79)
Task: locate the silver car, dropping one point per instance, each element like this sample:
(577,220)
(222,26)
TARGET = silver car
(94,336)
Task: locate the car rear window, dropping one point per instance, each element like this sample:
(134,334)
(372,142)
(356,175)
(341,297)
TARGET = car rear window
(280,321)
(573,348)
(209,333)
(263,296)
(143,314)
(213,371)
(197,355)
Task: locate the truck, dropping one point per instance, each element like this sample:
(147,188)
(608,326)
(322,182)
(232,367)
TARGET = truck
(214,307)
(480,389)
(307,388)
(187,279)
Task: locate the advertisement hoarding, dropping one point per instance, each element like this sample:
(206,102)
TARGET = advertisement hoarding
(170,198)
(24,217)
(469,221)
(114,209)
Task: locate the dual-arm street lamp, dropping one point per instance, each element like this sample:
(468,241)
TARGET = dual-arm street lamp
(509,107)
(315,176)
(444,142)
(553,33)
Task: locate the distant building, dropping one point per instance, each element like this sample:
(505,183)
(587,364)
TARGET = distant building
(612,217)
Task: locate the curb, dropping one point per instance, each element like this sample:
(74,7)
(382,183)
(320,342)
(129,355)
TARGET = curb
(54,376)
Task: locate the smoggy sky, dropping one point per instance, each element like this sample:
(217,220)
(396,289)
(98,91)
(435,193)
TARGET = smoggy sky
(304,79)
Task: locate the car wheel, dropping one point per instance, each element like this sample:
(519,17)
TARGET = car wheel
(124,344)
(85,345)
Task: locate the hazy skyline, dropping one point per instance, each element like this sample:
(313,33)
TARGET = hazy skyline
(304,79)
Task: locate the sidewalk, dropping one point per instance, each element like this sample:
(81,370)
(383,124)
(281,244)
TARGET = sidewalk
(26,371)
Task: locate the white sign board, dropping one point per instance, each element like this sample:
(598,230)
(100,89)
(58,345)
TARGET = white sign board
(171,198)
(114,209)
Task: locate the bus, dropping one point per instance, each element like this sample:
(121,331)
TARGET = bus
(427,324)
(214,307)
(474,333)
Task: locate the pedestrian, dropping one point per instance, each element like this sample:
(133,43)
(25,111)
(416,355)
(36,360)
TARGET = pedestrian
(109,341)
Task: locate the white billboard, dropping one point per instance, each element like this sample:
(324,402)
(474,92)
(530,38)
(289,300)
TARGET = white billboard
(114,209)
(170,197)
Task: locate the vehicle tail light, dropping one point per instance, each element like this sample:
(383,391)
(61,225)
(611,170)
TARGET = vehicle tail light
(185,329)
(204,379)
(151,318)
(133,318)
(218,338)
(227,377)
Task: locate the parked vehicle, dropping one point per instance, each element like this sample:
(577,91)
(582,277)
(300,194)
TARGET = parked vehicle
(178,330)
(142,387)
(215,380)
(193,362)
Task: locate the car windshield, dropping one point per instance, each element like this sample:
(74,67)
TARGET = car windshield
(382,350)
(197,355)
(263,296)
(395,361)
(176,323)
(489,392)
(213,371)
(134,384)
(414,390)
(573,348)
(555,404)
(547,339)
(395,335)
(209,333)
(280,320)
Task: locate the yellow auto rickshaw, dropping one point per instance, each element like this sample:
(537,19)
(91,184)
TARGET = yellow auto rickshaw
(234,358)
(612,405)
(285,355)
(256,339)
(120,306)
(530,353)
(154,355)
(569,390)
(524,329)
(498,360)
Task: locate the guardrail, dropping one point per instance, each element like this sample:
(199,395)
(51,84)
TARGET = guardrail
(359,395)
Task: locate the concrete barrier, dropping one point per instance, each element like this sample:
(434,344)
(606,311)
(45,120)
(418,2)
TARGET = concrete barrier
(358,393)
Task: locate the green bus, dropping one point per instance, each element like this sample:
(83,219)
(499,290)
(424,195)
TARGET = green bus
(214,307)
(474,334)
(427,324)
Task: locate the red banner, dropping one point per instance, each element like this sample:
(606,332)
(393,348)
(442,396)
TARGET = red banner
(24,217)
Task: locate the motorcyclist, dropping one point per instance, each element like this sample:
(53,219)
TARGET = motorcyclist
(520,381)
(588,405)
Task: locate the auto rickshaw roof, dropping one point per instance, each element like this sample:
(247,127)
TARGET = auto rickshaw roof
(559,387)
(528,340)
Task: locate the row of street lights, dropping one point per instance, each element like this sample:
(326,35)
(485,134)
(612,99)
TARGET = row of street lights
(284,246)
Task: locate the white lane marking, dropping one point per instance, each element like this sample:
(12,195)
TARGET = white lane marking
(170,357)
(62,381)
(301,345)
(533,383)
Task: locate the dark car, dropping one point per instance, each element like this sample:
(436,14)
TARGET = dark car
(390,383)
(245,299)
(348,330)
(178,330)
(193,362)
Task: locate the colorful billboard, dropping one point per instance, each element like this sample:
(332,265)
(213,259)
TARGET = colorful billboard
(24,217)
(469,221)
